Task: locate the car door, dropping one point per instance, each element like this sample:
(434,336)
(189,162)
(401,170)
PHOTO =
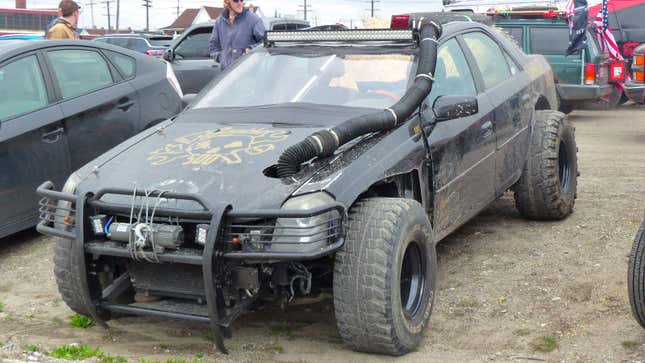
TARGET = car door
(462,149)
(33,144)
(192,63)
(511,101)
(100,108)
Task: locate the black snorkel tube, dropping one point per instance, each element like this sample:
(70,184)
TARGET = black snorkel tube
(326,142)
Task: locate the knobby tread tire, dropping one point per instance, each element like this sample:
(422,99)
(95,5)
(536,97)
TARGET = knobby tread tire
(68,277)
(538,194)
(365,299)
(636,276)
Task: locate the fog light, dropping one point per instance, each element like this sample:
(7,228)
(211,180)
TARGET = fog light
(201,234)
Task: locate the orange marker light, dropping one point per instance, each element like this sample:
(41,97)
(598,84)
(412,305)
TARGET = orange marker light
(67,220)
(236,241)
(639,60)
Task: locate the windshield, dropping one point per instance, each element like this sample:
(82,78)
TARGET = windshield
(352,80)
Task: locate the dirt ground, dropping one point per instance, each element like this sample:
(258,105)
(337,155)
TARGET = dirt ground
(504,284)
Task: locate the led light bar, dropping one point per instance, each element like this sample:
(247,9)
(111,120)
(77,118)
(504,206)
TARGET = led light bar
(360,35)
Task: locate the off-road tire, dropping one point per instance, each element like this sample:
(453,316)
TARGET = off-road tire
(367,287)
(548,185)
(68,276)
(636,277)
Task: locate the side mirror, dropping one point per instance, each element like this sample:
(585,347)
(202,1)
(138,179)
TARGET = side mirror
(169,55)
(451,107)
(188,99)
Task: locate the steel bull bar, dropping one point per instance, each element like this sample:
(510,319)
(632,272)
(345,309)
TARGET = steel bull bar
(62,215)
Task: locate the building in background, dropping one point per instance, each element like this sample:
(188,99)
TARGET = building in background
(195,16)
(25,21)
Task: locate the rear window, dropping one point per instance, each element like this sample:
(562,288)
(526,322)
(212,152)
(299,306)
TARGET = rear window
(549,41)
(125,65)
(160,42)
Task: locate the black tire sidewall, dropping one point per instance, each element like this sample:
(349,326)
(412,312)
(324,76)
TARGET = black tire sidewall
(415,229)
(636,277)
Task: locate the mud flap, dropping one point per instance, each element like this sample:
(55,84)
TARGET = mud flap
(214,298)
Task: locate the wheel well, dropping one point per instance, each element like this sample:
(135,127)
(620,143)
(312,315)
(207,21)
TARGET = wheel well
(397,186)
(542,104)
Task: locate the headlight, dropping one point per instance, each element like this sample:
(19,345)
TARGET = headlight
(304,235)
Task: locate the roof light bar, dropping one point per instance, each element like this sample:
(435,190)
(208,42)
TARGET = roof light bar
(371,35)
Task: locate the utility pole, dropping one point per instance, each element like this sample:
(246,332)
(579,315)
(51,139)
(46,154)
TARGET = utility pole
(118,13)
(91,5)
(305,8)
(107,4)
(147,4)
(178,8)
(372,8)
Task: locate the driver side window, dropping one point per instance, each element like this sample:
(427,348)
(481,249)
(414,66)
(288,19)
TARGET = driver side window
(452,74)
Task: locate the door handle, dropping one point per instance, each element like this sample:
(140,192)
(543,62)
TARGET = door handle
(487,129)
(53,136)
(125,105)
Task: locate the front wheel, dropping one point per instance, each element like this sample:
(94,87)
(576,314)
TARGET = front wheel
(636,277)
(548,185)
(384,277)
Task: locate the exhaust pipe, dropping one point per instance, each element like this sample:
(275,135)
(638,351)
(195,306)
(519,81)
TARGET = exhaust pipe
(326,142)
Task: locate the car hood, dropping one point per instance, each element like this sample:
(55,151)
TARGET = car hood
(223,162)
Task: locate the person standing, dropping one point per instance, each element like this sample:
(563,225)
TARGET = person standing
(65,26)
(235,32)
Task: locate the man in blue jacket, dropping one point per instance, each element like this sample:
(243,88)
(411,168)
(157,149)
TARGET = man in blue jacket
(236,31)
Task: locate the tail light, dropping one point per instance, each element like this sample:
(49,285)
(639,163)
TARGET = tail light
(172,79)
(638,67)
(617,71)
(590,73)
(400,22)
(155,53)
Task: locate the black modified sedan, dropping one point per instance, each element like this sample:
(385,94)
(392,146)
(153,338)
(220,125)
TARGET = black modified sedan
(64,103)
(343,159)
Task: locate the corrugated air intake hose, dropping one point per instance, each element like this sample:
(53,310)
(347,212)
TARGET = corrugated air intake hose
(324,143)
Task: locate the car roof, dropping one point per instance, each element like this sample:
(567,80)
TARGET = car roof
(11,48)
(136,35)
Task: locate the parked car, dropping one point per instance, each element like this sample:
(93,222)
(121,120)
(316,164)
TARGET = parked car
(149,44)
(636,276)
(345,158)
(581,77)
(21,37)
(326,27)
(64,103)
(635,87)
(190,58)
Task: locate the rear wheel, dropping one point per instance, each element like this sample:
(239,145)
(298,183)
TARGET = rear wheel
(548,185)
(636,277)
(384,277)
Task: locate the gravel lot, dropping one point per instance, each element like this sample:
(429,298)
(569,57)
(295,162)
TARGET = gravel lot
(508,288)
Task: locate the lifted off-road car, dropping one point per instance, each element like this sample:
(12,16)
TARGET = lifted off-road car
(323,161)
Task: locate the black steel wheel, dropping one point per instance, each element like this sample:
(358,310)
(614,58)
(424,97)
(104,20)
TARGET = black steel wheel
(384,277)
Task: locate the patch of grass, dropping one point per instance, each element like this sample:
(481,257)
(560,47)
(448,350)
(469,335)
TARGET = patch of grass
(112,359)
(31,348)
(9,318)
(2,306)
(76,352)
(80,321)
(56,320)
(285,329)
(545,343)
(630,344)
(175,360)
(143,360)
(277,347)
(522,332)
(163,346)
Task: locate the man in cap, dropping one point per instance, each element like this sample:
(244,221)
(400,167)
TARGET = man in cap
(235,32)
(65,26)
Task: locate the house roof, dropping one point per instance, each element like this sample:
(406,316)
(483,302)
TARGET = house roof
(184,20)
(213,12)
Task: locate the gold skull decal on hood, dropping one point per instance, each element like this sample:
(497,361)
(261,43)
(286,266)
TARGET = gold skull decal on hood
(228,145)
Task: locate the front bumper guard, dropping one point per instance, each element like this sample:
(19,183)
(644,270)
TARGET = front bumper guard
(61,215)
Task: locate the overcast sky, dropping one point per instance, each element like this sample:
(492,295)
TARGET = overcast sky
(164,12)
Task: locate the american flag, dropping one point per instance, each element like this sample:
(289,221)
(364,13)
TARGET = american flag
(603,32)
